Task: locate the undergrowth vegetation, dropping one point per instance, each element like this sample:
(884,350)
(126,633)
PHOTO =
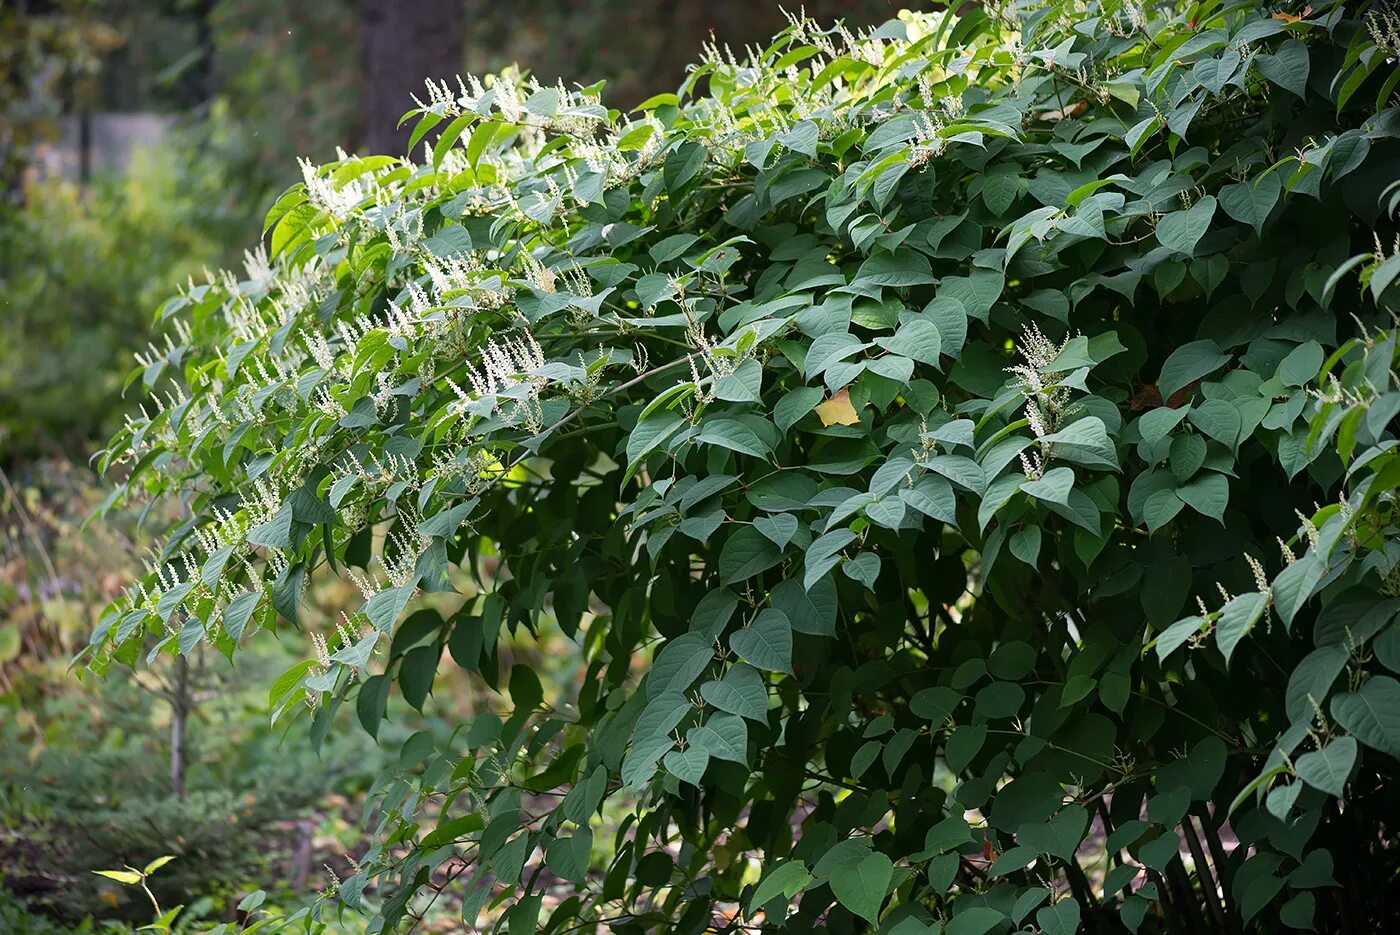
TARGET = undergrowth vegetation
(962,458)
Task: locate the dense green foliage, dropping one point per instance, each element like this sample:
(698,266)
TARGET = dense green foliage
(869,414)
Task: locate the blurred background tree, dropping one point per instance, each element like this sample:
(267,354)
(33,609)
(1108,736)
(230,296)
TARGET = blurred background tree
(142,141)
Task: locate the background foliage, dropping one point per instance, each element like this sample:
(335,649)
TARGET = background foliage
(898,396)
(79,297)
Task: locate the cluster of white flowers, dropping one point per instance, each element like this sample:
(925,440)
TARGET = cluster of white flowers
(402,226)
(506,362)
(377,474)
(258,267)
(1046,400)
(1127,20)
(320,350)
(720,362)
(347,633)
(227,529)
(152,354)
(862,47)
(463,275)
(538,275)
(340,202)
(928,143)
(576,113)
(1383,25)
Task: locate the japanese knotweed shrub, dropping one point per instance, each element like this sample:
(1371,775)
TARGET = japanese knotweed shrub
(962,457)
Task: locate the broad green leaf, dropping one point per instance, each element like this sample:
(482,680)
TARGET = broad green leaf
(1054,486)
(1061,918)
(416,674)
(1236,619)
(1176,635)
(687,765)
(129,877)
(1190,362)
(1000,189)
(917,339)
(746,553)
(802,138)
(1294,585)
(902,268)
(766,643)
(1287,66)
(810,610)
(778,528)
(949,316)
(864,567)
(723,737)
(1207,495)
(734,435)
(786,879)
(1372,713)
(1182,230)
(977,920)
(385,608)
(740,692)
(1158,423)
(239,611)
(567,856)
(999,700)
(1218,418)
(1085,441)
(861,887)
(950,833)
(1311,680)
(1161,508)
(156,864)
(1384,275)
(964,744)
(1329,768)
(1301,365)
(935,704)
(1058,837)
(1252,201)
(679,663)
(933,497)
(1025,544)
(796,404)
(743,385)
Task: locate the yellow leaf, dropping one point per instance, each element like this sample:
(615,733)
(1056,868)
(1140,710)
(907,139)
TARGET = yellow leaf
(838,410)
(1073,110)
(156,864)
(128,876)
(1287,17)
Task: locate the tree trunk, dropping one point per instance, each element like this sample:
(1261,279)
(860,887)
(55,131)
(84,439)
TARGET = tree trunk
(402,42)
(196,84)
